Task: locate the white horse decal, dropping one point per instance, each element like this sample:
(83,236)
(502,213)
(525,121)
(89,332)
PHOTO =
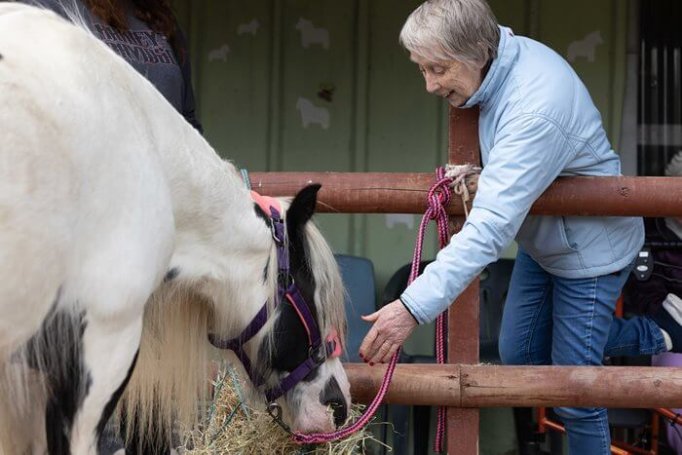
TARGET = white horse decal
(311,34)
(586,47)
(312,114)
(124,241)
(250,28)
(219,53)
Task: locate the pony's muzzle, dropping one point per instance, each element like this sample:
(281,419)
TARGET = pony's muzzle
(333,397)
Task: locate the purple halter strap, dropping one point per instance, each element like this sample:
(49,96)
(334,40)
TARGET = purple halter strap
(286,289)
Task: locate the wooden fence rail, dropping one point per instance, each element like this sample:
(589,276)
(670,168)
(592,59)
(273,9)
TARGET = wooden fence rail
(382,192)
(478,386)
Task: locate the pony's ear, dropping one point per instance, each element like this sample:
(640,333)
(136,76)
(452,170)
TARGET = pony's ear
(301,209)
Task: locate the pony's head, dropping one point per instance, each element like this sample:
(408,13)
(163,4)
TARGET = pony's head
(291,347)
(270,291)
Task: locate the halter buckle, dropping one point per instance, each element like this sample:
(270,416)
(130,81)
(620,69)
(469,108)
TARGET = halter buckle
(318,354)
(275,412)
(273,230)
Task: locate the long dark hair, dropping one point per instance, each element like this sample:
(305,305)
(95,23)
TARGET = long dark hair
(157,14)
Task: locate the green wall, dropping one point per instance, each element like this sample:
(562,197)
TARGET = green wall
(375,113)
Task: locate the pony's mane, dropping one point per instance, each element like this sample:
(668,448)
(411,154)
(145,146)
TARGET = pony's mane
(71,10)
(329,290)
(329,295)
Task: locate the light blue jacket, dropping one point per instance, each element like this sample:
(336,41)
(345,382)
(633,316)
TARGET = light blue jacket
(537,122)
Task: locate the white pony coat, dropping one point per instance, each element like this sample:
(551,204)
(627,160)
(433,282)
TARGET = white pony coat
(104,188)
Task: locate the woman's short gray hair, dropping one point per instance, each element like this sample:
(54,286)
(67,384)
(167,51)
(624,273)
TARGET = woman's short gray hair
(442,30)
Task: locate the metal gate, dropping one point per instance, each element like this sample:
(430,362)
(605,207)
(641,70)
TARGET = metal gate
(660,85)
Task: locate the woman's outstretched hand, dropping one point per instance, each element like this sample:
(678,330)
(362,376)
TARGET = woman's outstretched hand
(392,324)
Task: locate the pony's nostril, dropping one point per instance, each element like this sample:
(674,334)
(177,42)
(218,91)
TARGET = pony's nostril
(332,396)
(340,411)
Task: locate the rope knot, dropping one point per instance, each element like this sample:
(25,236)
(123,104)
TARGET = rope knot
(438,198)
(458,173)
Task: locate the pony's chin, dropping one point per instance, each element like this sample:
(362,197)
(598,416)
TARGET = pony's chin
(318,420)
(311,416)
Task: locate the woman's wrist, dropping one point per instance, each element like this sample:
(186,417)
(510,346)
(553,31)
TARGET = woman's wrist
(408,310)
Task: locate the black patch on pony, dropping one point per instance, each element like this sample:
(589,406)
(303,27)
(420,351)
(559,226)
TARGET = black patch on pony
(113,401)
(32,358)
(268,222)
(141,441)
(171,274)
(57,350)
(1,57)
(290,337)
(332,396)
(261,214)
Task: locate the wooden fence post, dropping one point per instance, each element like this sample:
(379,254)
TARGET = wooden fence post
(463,343)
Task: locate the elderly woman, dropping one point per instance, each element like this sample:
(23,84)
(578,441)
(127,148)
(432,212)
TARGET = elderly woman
(537,122)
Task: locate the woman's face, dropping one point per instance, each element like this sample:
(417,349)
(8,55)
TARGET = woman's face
(452,80)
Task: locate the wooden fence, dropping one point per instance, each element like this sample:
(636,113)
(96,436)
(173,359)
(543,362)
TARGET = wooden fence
(462,384)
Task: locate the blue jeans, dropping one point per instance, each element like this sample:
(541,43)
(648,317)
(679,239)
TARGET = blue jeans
(549,320)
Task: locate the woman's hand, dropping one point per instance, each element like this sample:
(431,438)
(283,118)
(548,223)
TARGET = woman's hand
(392,325)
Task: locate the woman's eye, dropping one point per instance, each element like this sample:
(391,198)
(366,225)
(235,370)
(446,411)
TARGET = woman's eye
(438,70)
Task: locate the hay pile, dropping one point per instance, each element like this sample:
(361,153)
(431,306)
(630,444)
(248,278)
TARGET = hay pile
(231,427)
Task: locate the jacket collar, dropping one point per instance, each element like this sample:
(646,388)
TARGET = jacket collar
(500,67)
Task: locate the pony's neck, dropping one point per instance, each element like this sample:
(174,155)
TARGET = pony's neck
(217,231)
(220,246)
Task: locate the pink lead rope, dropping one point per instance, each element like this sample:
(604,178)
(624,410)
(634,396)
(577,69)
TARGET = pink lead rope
(317,438)
(438,198)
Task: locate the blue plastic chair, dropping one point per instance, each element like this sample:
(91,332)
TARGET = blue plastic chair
(358,278)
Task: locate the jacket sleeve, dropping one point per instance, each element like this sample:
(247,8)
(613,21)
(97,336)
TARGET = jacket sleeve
(529,153)
(188,103)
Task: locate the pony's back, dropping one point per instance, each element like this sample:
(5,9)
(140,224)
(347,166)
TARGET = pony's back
(36,178)
(70,146)
(86,222)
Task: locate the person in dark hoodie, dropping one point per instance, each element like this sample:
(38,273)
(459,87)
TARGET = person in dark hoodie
(146,34)
(661,283)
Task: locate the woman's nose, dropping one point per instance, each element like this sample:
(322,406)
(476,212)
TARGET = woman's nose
(431,85)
